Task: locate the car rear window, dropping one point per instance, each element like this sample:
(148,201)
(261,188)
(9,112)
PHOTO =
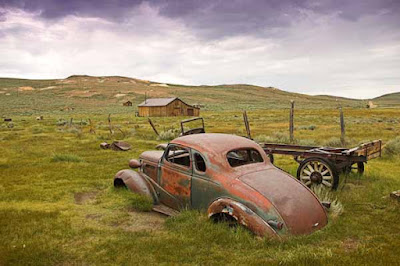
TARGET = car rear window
(243,156)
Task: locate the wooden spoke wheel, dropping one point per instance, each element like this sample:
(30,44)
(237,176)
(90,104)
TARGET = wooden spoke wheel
(318,172)
(357,168)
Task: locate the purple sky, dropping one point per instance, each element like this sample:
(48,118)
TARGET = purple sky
(345,48)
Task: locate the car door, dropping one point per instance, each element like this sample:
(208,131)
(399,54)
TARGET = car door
(204,188)
(175,175)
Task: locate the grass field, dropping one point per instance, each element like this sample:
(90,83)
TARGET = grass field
(58,206)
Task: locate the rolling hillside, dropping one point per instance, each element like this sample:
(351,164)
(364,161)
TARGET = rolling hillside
(106,94)
(388,100)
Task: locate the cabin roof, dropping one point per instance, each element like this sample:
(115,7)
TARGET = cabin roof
(157,101)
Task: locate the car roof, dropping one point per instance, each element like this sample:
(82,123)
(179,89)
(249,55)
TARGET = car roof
(215,142)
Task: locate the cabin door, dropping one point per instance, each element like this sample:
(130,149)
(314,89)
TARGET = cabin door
(177,111)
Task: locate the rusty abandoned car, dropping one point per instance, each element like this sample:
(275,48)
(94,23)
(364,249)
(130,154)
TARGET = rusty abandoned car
(232,178)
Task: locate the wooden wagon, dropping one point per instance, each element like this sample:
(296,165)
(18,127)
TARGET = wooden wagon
(322,165)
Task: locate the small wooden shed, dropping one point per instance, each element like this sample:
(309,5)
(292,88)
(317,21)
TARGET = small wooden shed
(167,107)
(128,103)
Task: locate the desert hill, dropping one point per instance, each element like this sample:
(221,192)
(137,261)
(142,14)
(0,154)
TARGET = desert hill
(388,100)
(107,93)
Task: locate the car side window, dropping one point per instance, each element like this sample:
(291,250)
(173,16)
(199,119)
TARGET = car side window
(178,155)
(199,162)
(243,156)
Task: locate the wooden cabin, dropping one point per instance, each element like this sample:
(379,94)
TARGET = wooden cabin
(167,107)
(128,103)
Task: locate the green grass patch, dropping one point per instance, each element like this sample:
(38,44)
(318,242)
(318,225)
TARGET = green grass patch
(70,158)
(392,147)
(67,212)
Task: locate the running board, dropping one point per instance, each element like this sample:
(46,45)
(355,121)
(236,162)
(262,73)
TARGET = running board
(161,208)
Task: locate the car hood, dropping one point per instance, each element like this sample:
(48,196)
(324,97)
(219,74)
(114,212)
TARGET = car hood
(153,156)
(298,206)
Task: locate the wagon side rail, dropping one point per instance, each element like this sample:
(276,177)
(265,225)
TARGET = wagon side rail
(361,153)
(305,151)
(370,150)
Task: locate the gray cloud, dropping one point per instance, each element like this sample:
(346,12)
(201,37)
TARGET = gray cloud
(55,9)
(317,47)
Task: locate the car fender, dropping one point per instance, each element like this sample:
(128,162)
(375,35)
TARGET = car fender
(243,215)
(136,183)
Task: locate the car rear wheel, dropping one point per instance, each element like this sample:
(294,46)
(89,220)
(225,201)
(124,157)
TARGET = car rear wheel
(318,172)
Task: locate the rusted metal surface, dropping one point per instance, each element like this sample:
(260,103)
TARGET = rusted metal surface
(134,164)
(104,145)
(243,215)
(152,156)
(257,195)
(288,197)
(135,183)
(177,184)
(161,208)
(120,146)
(116,146)
(161,146)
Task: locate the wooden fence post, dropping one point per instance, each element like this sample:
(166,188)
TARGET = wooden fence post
(342,127)
(291,122)
(246,124)
(91,125)
(154,128)
(110,125)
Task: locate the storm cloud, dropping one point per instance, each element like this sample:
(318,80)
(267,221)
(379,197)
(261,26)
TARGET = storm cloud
(345,48)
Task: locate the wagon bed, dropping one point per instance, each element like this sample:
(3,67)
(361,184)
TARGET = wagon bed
(322,165)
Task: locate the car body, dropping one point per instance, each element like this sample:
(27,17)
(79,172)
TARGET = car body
(228,176)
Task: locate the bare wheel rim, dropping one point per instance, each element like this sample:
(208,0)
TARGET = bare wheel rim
(316,173)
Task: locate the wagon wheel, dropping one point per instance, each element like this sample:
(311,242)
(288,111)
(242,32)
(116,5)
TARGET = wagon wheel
(317,171)
(355,168)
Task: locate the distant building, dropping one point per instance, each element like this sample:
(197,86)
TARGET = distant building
(128,103)
(371,105)
(167,107)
